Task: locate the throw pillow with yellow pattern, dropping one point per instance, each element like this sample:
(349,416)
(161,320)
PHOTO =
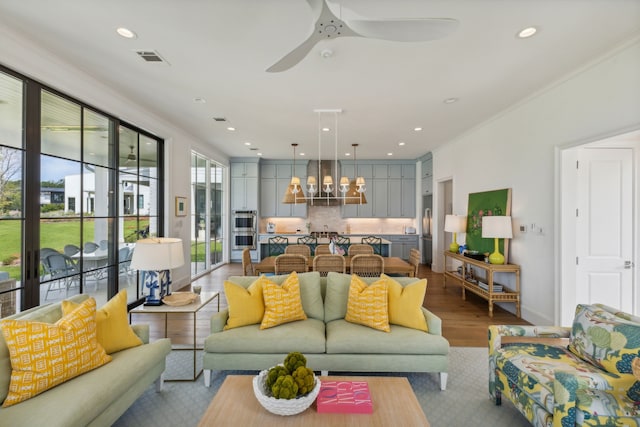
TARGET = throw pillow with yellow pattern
(368,304)
(282,304)
(44,355)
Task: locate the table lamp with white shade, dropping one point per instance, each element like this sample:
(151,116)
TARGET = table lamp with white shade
(497,227)
(455,224)
(156,256)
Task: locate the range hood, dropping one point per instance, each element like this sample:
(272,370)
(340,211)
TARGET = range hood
(322,198)
(333,198)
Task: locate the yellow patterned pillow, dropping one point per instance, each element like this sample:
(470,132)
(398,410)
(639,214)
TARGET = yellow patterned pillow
(114,332)
(245,304)
(282,304)
(44,355)
(405,304)
(367,304)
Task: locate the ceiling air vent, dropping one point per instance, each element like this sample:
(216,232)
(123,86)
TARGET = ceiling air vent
(150,56)
(219,119)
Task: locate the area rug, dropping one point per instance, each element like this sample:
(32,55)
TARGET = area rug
(465,402)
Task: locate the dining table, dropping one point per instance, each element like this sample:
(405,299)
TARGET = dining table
(392,265)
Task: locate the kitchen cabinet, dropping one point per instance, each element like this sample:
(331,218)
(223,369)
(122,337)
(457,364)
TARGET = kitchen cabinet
(401,244)
(274,180)
(390,192)
(427,176)
(244,185)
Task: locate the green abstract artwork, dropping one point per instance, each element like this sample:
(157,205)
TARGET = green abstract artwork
(497,203)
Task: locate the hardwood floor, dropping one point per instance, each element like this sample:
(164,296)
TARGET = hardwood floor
(464,323)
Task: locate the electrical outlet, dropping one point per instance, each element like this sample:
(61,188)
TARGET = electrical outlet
(523,229)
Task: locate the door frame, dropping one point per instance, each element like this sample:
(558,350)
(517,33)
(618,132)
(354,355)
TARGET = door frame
(565,204)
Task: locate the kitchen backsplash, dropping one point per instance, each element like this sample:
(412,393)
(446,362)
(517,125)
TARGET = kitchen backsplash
(330,216)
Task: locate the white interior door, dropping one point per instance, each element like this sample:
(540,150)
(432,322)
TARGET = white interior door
(604,228)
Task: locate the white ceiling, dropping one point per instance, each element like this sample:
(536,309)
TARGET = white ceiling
(219,50)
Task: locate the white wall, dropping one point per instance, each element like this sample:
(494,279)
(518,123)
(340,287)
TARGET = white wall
(23,56)
(516,150)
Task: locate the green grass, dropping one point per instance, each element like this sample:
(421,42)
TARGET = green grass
(197,250)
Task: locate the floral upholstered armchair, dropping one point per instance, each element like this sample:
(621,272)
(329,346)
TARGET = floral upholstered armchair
(588,382)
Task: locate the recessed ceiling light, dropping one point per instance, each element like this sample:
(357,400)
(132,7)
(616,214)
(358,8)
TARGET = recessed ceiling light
(302,154)
(401,143)
(247,143)
(389,154)
(527,32)
(325,129)
(231,129)
(200,100)
(126,33)
(450,100)
(418,129)
(259,154)
(347,154)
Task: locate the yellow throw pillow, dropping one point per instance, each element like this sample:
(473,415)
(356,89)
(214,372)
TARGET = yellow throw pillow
(282,304)
(245,304)
(367,304)
(44,355)
(405,304)
(114,332)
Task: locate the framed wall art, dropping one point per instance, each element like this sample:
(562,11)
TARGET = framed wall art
(497,203)
(181,206)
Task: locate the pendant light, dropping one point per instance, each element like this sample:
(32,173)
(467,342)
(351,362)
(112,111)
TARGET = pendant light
(294,193)
(357,187)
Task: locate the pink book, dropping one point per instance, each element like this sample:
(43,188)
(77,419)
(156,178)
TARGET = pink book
(345,397)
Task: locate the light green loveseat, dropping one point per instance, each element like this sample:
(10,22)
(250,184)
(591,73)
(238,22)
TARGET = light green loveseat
(96,398)
(329,342)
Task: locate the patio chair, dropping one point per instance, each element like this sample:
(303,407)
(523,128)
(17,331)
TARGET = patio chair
(298,249)
(71,250)
(247,265)
(375,242)
(367,265)
(276,245)
(326,263)
(90,247)
(63,272)
(286,263)
(360,248)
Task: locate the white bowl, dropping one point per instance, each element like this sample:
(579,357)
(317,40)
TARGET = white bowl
(282,406)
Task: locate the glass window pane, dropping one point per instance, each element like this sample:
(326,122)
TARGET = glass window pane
(97,138)
(59,272)
(60,191)
(10,267)
(148,156)
(11,91)
(60,126)
(95,191)
(128,145)
(10,182)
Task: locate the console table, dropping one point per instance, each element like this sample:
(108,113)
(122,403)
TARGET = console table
(469,281)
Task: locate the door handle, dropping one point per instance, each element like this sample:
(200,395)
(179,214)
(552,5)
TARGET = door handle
(628,264)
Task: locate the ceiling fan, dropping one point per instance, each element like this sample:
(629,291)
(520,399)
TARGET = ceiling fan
(329,26)
(131,157)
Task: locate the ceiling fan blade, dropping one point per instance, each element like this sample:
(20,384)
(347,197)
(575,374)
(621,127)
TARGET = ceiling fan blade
(296,55)
(404,30)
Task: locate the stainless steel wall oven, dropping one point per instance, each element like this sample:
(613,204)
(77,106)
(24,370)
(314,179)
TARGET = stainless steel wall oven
(244,229)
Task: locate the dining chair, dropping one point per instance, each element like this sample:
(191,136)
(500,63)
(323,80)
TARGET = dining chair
(325,263)
(342,242)
(276,245)
(375,242)
(414,259)
(71,250)
(247,265)
(286,263)
(360,248)
(323,250)
(367,265)
(298,249)
(63,272)
(90,247)
(307,240)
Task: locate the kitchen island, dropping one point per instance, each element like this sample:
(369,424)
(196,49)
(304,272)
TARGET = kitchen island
(292,239)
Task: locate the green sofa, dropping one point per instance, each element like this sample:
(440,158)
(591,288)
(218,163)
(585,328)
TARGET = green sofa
(329,342)
(96,398)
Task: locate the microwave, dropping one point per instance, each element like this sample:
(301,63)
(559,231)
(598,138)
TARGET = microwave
(244,220)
